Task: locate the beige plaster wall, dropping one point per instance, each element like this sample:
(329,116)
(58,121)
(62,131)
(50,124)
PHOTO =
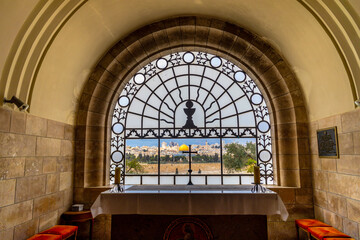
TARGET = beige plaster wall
(36,173)
(98,24)
(336,181)
(13,14)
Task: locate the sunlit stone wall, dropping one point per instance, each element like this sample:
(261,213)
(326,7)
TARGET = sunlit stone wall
(336,181)
(36,173)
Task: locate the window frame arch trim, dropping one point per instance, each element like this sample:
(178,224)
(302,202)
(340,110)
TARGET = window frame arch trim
(150,70)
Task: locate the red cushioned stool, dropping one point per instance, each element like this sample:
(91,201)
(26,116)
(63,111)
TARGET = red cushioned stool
(321,233)
(304,224)
(70,218)
(339,239)
(65,231)
(45,237)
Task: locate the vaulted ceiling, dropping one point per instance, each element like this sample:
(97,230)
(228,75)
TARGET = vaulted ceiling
(49,48)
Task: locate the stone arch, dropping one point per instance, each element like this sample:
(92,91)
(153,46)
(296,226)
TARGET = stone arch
(261,61)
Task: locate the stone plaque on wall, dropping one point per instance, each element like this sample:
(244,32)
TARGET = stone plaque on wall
(328,143)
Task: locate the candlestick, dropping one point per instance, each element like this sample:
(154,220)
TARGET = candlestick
(117,175)
(256,174)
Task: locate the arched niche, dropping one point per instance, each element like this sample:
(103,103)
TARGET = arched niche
(260,60)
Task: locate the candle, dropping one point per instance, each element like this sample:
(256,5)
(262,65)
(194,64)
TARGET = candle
(256,175)
(117,175)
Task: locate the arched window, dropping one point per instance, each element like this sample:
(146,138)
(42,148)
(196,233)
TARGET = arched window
(198,99)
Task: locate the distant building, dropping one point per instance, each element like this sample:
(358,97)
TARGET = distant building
(173,144)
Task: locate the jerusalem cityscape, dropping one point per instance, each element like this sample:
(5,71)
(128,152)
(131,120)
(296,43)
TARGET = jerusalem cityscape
(172,149)
(237,158)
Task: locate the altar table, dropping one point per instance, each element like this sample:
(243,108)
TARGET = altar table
(189,200)
(208,212)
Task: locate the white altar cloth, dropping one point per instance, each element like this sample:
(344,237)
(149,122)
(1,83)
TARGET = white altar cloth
(189,200)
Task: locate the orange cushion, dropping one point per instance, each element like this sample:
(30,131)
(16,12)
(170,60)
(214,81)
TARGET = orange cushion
(326,232)
(45,237)
(63,230)
(339,239)
(306,223)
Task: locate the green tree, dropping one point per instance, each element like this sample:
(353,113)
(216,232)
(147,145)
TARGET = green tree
(166,159)
(251,150)
(129,156)
(237,155)
(133,166)
(216,157)
(250,165)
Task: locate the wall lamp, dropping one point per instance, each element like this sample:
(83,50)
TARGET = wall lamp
(357,102)
(20,104)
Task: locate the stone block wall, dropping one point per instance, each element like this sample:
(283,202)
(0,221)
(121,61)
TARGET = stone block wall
(299,203)
(36,173)
(336,181)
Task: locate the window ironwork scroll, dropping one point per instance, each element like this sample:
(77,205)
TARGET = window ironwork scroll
(191,95)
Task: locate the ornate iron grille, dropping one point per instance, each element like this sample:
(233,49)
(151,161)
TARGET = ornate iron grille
(219,100)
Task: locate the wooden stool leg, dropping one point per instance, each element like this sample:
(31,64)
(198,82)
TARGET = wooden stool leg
(91,227)
(308,235)
(297,232)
